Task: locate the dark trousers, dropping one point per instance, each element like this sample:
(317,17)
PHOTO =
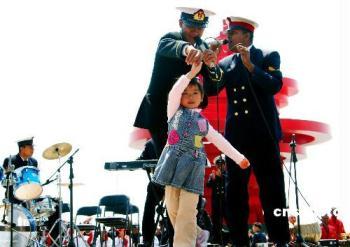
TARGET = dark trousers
(217,218)
(265,162)
(155,193)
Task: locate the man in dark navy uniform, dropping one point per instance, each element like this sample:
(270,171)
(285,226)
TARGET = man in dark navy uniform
(23,158)
(175,54)
(252,77)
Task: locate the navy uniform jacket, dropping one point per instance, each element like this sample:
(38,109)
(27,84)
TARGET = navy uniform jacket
(244,121)
(18,162)
(169,65)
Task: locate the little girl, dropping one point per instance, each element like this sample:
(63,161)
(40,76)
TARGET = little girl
(181,166)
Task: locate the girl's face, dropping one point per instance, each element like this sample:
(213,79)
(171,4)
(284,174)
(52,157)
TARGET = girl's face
(191,97)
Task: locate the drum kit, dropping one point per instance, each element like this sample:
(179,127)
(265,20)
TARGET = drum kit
(24,224)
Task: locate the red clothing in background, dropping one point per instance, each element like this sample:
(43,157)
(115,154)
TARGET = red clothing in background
(328,232)
(338,225)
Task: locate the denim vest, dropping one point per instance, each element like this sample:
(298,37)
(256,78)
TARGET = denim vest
(182,162)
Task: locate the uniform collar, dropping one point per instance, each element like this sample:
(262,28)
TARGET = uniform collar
(23,158)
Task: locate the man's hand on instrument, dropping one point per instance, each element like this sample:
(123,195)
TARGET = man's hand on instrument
(245,55)
(193,55)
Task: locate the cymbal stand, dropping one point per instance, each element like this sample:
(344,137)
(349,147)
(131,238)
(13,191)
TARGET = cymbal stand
(70,162)
(60,202)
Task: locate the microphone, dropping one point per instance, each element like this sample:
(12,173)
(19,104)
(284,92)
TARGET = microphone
(201,46)
(216,43)
(293,141)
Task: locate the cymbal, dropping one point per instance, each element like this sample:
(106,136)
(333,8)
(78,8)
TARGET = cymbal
(56,151)
(66,184)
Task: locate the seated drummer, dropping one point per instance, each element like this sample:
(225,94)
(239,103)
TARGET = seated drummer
(23,158)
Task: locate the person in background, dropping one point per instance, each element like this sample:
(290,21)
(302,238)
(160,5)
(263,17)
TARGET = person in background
(292,219)
(257,236)
(336,223)
(204,222)
(328,231)
(216,182)
(135,235)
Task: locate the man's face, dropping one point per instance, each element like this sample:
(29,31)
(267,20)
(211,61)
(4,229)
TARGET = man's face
(292,219)
(256,229)
(237,37)
(27,151)
(122,233)
(190,32)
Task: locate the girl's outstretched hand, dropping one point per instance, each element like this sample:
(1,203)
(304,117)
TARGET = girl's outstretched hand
(194,70)
(244,163)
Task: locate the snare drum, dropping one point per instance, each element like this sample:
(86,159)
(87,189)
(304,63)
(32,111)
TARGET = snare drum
(28,185)
(44,206)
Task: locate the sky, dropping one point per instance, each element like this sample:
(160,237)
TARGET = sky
(76,72)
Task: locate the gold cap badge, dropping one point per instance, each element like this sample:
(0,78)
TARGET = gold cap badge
(199,15)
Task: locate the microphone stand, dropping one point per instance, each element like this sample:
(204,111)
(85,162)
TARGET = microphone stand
(294,160)
(71,176)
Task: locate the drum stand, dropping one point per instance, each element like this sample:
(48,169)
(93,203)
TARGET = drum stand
(10,181)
